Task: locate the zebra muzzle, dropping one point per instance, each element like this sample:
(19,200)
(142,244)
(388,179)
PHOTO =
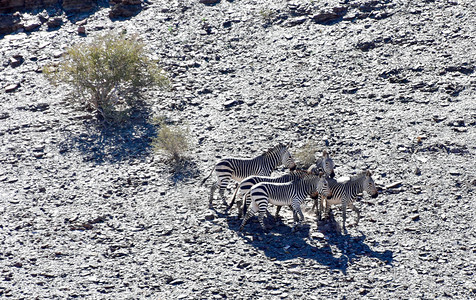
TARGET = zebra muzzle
(375,195)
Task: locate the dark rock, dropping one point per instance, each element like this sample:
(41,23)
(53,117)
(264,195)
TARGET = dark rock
(124,8)
(329,16)
(366,45)
(8,6)
(232,102)
(12,87)
(454,172)
(78,6)
(10,23)
(299,9)
(32,25)
(417,171)
(16,61)
(81,30)
(209,1)
(54,22)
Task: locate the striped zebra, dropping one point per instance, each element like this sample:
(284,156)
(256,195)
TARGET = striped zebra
(239,168)
(290,193)
(246,184)
(325,164)
(345,193)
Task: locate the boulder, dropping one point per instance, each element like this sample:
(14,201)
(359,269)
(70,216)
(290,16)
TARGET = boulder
(124,8)
(79,6)
(10,23)
(9,6)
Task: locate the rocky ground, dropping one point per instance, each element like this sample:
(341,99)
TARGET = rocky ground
(388,86)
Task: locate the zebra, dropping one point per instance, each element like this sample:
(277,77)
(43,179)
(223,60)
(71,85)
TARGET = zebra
(290,193)
(325,164)
(239,168)
(346,193)
(247,183)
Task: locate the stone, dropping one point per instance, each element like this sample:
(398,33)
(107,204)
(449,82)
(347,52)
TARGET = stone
(124,8)
(32,25)
(328,16)
(16,61)
(78,6)
(393,185)
(12,87)
(81,30)
(209,1)
(10,23)
(8,6)
(54,22)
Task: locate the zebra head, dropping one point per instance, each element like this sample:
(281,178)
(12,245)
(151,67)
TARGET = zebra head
(369,185)
(286,158)
(323,186)
(327,164)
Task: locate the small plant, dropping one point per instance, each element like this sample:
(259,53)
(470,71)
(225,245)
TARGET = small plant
(108,74)
(267,15)
(306,156)
(172,140)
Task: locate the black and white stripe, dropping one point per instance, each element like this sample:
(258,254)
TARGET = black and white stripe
(239,168)
(247,183)
(345,193)
(290,193)
(325,164)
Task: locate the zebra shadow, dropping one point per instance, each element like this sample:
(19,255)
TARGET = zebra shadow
(333,250)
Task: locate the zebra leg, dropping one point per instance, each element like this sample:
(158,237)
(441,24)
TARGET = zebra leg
(223,185)
(239,206)
(246,204)
(276,216)
(212,191)
(235,194)
(352,206)
(297,211)
(252,208)
(344,212)
(315,207)
(263,208)
(325,210)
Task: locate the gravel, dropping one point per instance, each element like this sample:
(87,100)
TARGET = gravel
(389,86)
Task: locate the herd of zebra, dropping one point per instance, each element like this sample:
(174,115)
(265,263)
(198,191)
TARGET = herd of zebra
(256,189)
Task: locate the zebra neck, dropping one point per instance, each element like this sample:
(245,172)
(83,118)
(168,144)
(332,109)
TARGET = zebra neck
(271,160)
(356,186)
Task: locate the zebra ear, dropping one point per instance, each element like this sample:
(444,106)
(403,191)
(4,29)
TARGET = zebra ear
(368,174)
(288,145)
(321,174)
(325,154)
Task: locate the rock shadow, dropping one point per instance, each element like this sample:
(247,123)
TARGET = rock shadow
(110,144)
(333,250)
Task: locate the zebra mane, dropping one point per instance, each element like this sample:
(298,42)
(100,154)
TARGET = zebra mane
(273,150)
(300,171)
(358,176)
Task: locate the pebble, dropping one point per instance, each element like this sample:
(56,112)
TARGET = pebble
(12,87)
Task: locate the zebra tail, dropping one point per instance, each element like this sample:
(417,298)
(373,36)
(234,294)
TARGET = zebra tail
(205,179)
(234,196)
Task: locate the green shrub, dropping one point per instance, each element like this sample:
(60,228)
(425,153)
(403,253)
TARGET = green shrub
(306,156)
(172,140)
(108,74)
